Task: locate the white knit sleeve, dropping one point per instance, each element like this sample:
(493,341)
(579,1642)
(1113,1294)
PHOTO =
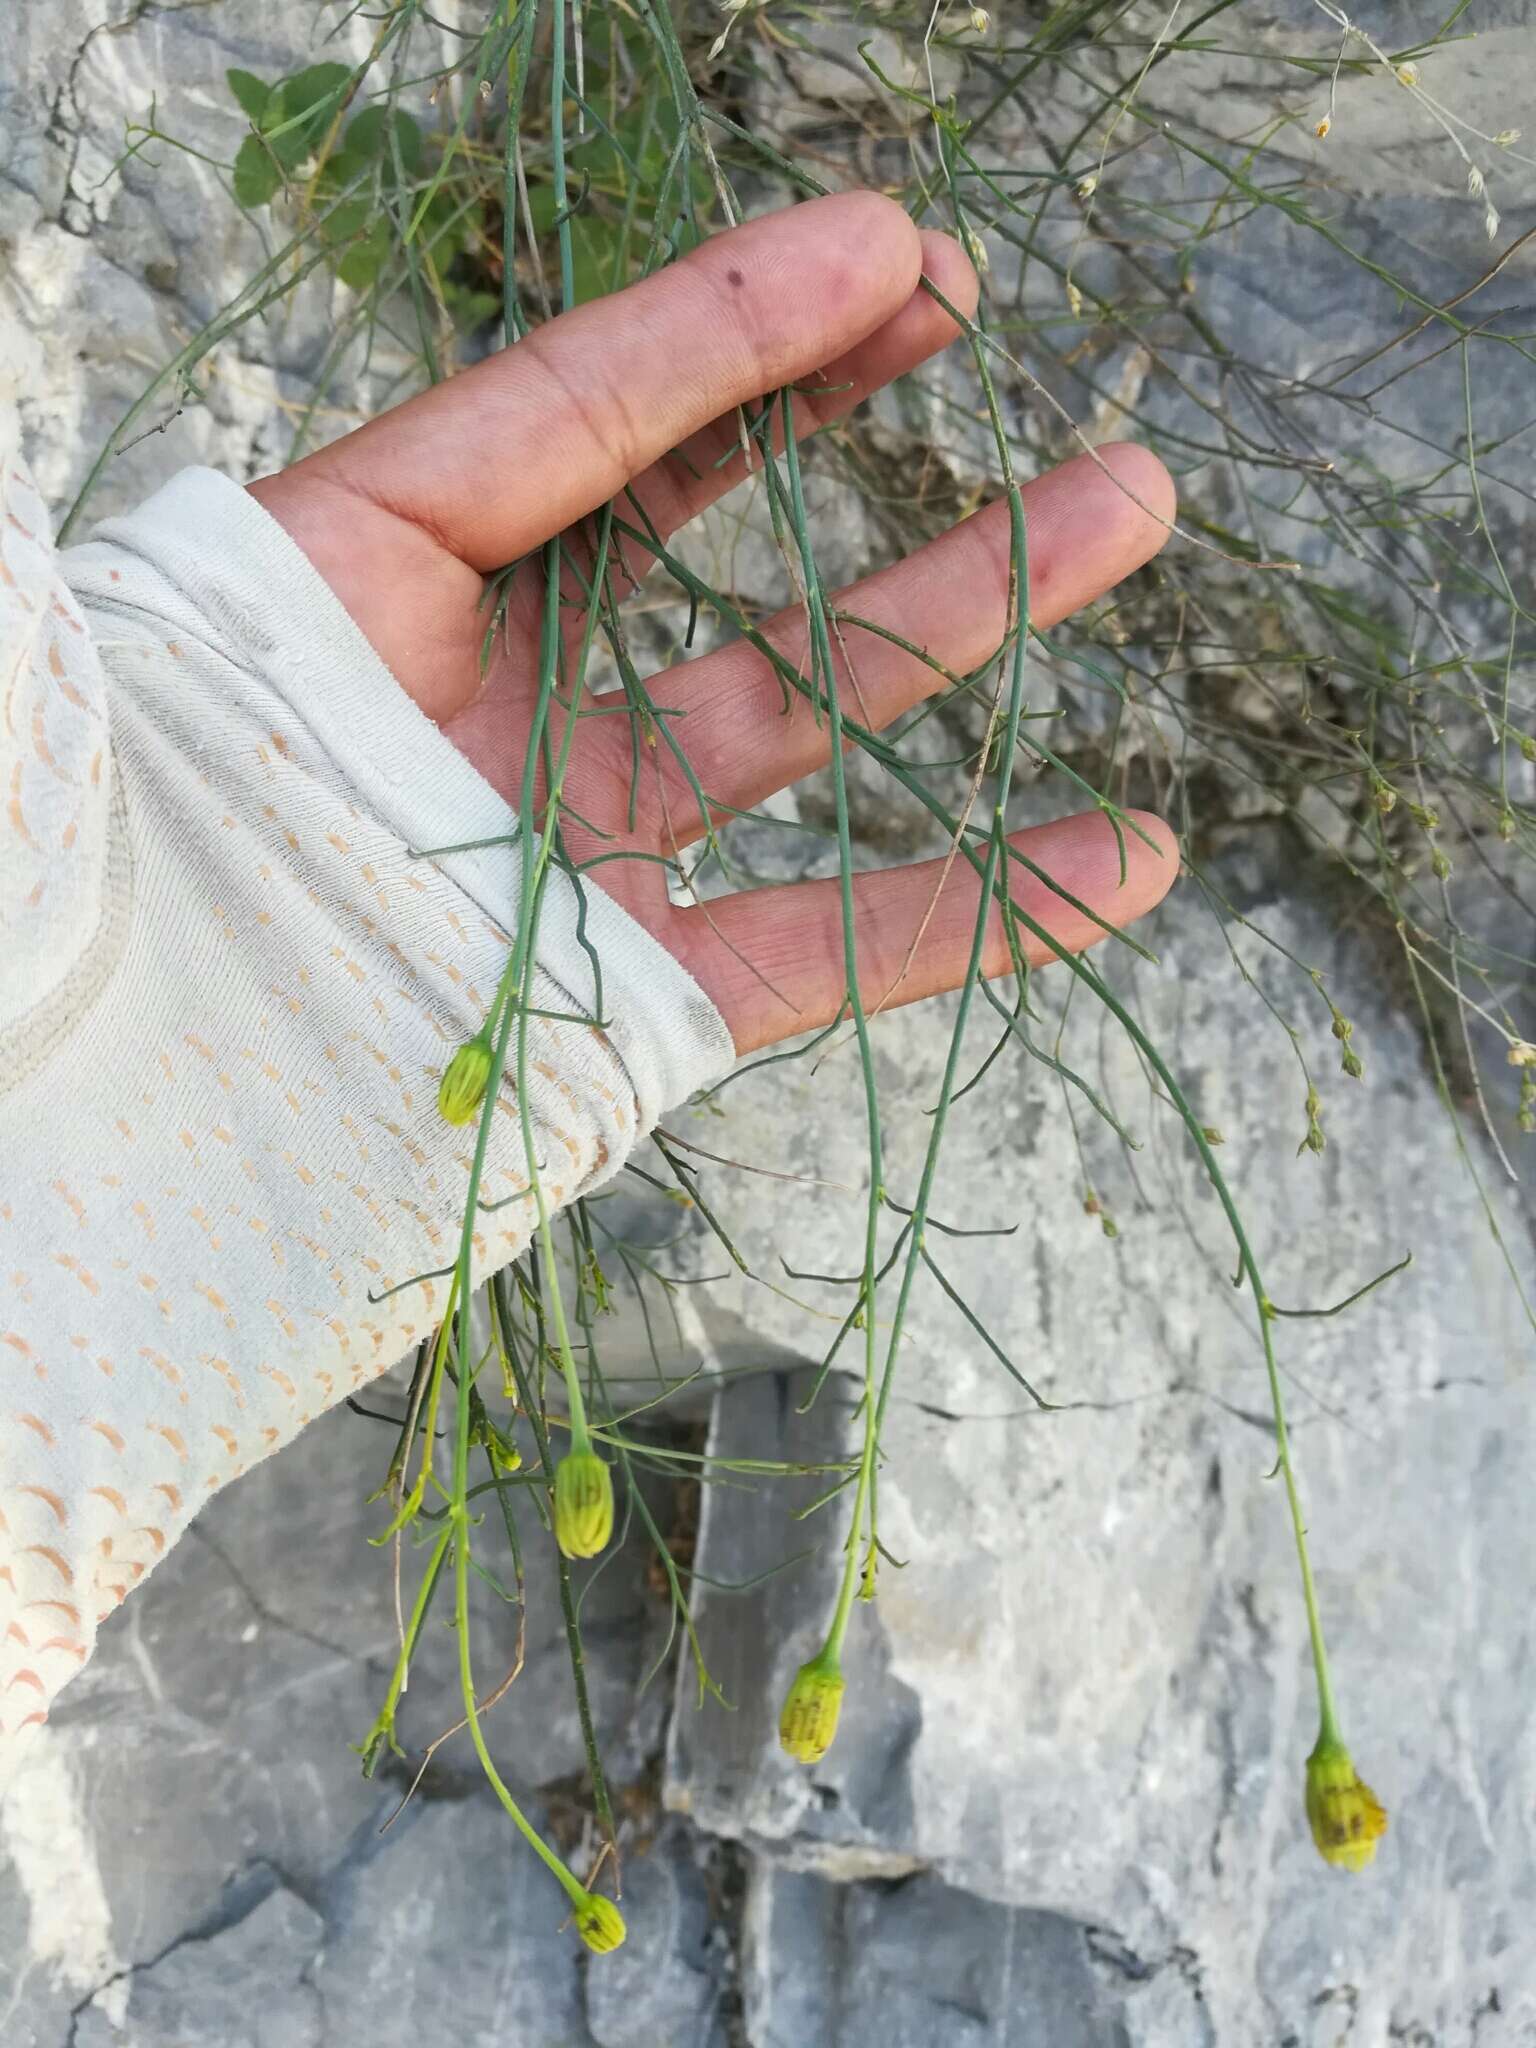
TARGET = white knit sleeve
(227,995)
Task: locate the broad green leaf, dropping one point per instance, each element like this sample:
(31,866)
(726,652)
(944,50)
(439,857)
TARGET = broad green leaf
(252,93)
(360,266)
(368,133)
(300,111)
(257,177)
(305,92)
(345,222)
(470,309)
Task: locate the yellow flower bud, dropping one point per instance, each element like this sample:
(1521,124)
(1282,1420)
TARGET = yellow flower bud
(462,1088)
(600,1924)
(808,1721)
(1346,1818)
(1323,126)
(1521,1053)
(981,21)
(583,1504)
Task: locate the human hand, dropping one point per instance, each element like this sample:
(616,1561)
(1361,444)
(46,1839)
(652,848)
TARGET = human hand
(406,517)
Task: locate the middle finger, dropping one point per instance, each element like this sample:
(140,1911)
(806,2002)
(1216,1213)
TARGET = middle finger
(1088,527)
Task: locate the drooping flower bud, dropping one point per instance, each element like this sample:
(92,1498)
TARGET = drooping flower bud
(1346,1818)
(462,1088)
(600,1924)
(583,1504)
(808,1720)
(505,1455)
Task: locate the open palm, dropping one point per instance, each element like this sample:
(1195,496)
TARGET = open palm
(407,517)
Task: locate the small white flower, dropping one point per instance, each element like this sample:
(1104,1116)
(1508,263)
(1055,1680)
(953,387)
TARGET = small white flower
(1475,181)
(1074,299)
(731,9)
(1491,220)
(1088,186)
(976,249)
(1407,74)
(1507,138)
(981,21)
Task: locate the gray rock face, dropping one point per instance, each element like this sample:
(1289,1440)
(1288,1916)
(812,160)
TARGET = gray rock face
(904,1965)
(202,1990)
(1086,1687)
(1064,1808)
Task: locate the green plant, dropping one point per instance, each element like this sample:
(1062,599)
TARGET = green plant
(1309,652)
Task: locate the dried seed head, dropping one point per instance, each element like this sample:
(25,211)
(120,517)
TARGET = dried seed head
(1507,138)
(1074,300)
(976,249)
(1211,1135)
(808,1720)
(600,1924)
(1386,798)
(462,1088)
(583,1504)
(1346,1818)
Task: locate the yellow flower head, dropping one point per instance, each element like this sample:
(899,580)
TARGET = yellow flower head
(600,1924)
(1346,1818)
(462,1088)
(583,1504)
(808,1720)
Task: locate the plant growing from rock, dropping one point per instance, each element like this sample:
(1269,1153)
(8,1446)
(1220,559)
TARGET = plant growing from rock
(1335,645)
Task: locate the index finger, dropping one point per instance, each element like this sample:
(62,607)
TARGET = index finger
(496,460)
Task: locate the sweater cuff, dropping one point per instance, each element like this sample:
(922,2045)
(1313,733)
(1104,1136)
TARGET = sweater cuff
(268,606)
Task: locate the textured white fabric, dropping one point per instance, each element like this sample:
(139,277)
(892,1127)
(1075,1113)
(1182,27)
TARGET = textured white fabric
(227,992)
